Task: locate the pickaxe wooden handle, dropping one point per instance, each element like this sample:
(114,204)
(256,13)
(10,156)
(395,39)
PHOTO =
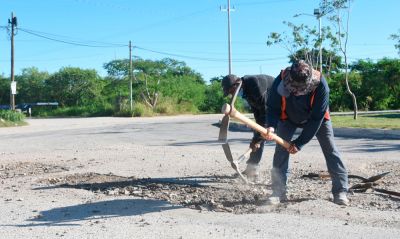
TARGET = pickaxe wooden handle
(226,109)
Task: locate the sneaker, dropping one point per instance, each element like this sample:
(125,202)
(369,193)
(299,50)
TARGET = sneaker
(275,199)
(341,199)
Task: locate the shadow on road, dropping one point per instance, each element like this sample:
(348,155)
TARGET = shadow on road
(373,146)
(75,214)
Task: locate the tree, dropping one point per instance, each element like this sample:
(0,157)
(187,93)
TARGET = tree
(340,17)
(331,63)
(303,42)
(31,86)
(167,78)
(72,86)
(4,90)
(396,37)
(380,88)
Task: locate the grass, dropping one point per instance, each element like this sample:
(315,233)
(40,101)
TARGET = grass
(373,121)
(10,118)
(378,121)
(4,123)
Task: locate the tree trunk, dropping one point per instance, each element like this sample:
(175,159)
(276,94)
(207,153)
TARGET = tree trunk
(353,96)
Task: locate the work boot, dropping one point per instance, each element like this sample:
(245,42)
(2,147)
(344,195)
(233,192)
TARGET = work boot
(276,199)
(341,199)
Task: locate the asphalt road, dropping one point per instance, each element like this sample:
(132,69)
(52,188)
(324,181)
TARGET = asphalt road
(162,147)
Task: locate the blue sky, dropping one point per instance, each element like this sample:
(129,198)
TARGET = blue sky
(196,30)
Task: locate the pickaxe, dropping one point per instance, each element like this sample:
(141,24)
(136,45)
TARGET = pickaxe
(232,112)
(223,129)
(223,136)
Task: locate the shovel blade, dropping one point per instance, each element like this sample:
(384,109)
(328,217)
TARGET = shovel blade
(223,129)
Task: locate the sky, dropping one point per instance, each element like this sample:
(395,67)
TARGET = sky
(89,33)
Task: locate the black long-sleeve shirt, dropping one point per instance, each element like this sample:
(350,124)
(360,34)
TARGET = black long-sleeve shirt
(255,91)
(299,110)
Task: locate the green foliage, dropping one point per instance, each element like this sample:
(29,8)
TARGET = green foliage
(31,86)
(303,42)
(331,61)
(378,121)
(75,87)
(167,87)
(94,110)
(396,37)
(167,107)
(4,90)
(377,85)
(339,98)
(140,109)
(215,98)
(183,89)
(167,82)
(384,78)
(13,116)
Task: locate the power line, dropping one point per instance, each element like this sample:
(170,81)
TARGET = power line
(263,2)
(207,58)
(75,43)
(110,45)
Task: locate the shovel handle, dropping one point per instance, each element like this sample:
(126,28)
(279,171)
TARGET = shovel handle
(231,111)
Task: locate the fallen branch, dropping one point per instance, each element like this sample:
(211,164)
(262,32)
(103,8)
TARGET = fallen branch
(397,194)
(364,180)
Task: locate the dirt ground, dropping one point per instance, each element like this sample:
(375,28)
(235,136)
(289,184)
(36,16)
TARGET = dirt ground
(78,161)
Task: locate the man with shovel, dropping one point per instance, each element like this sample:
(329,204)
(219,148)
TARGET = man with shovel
(255,89)
(299,98)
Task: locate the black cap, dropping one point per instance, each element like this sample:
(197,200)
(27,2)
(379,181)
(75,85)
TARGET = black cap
(227,82)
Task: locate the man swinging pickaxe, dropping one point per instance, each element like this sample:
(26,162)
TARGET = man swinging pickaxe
(255,90)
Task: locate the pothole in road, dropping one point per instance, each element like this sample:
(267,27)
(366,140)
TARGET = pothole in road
(202,193)
(220,194)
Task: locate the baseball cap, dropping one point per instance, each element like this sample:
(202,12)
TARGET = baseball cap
(227,82)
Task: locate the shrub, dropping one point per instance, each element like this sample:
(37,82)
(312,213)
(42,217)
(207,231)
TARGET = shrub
(12,116)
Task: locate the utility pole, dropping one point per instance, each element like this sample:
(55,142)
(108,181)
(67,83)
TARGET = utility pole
(318,14)
(13,22)
(130,75)
(229,9)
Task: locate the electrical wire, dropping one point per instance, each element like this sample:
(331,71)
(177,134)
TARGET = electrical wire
(75,43)
(262,2)
(209,59)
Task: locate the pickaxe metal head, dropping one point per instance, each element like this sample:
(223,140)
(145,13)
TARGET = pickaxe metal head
(224,126)
(234,163)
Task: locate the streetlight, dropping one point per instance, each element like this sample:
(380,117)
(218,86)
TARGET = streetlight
(318,14)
